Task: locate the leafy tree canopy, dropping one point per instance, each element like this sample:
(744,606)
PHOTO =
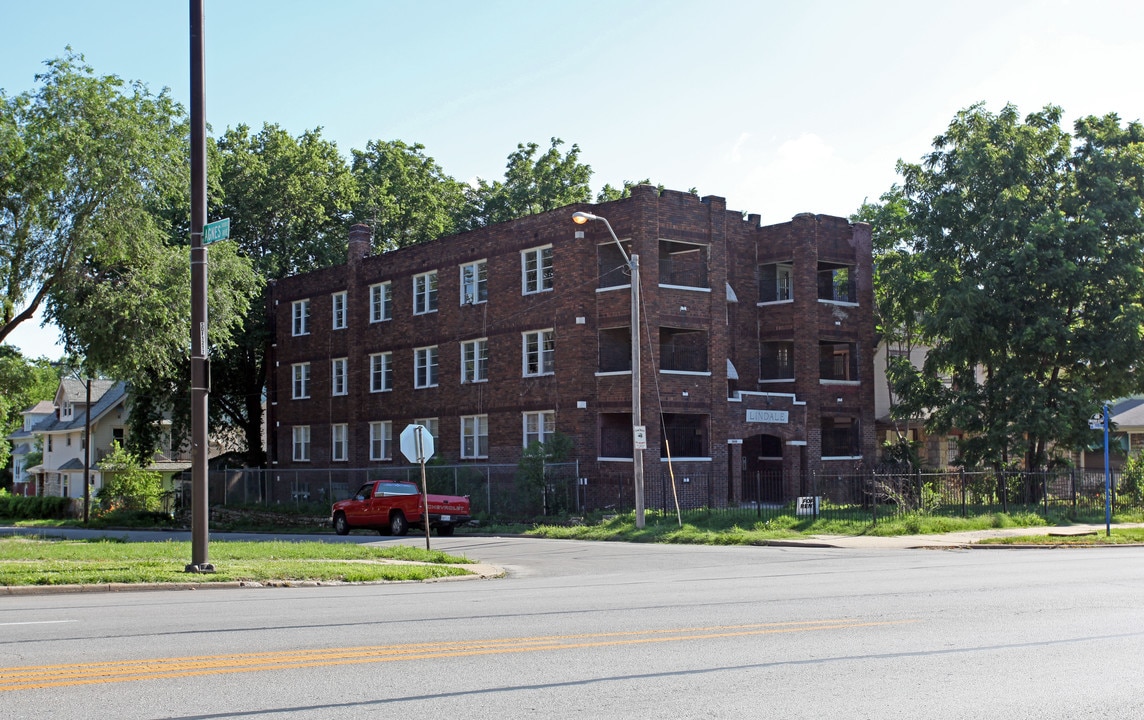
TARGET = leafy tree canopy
(23,383)
(1024,273)
(404,195)
(81,158)
(532,184)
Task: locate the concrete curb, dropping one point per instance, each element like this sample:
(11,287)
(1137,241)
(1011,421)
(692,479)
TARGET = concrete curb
(480,571)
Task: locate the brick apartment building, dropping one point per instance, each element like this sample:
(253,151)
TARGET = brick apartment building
(757,347)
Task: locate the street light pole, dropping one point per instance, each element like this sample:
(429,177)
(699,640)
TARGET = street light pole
(639,432)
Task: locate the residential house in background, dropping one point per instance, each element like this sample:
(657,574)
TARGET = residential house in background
(62,434)
(24,444)
(756,344)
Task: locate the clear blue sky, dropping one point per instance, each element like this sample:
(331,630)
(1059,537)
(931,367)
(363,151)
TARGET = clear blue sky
(779,107)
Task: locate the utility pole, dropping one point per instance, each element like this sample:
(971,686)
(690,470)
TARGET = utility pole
(199,508)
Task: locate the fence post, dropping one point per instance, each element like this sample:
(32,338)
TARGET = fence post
(1045,493)
(964,499)
(1072,490)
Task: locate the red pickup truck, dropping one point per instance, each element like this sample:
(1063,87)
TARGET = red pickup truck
(391,507)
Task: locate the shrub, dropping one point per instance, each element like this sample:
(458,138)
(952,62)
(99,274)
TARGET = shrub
(34,508)
(126,485)
(1132,480)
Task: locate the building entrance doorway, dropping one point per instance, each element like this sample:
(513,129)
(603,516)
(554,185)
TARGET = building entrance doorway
(763,469)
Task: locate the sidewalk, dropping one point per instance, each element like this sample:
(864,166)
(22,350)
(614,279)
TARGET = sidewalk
(964,539)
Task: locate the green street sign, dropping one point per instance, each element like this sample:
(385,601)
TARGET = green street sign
(217,230)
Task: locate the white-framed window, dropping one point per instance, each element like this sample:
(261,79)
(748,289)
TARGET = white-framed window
(339,371)
(338,304)
(381,440)
(536,270)
(539,426)
(539,351)
(425,367)
(339,442)
(301,387)
(425,293)
(380,302)
(474,436)
(951,450)
(381,372)
(474,283)
(783,285)
(301,443)
(475,361)
(67,410)
(429,424)
(300,313)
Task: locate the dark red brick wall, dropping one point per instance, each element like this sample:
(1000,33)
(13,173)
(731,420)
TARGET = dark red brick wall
(733,247)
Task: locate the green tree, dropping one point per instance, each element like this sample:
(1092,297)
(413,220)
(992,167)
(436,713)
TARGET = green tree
(81,157)
(23,383)
(1028,244)
(404,195)
(126,485)
(289,201)
(532,184)
(898,309)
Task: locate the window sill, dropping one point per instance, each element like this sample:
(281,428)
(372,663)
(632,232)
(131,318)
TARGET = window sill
(614,459)
(613,373)
(765,303)
(685,459)
(848,383)
(825,458)
(610,288)
(775,380)
(474,382)
(427,312)
(424,387)
(539,375)
(843,303)
(685,287)
(698,373)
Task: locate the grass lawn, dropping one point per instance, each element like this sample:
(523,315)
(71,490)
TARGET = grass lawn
(1120,536)
(40,561)
(704,528)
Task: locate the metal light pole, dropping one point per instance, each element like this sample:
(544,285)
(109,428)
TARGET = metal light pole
(199,496)
(639,432)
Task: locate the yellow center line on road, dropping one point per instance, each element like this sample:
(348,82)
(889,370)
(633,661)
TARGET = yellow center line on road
(48,676)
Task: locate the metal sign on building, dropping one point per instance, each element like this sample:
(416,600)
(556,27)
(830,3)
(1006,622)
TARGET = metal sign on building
(780,417)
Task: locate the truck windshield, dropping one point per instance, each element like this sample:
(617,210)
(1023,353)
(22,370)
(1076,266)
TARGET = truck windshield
(398,489)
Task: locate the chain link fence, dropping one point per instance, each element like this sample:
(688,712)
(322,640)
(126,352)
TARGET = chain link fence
(506,493)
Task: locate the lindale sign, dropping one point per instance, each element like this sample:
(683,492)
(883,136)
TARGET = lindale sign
(780,417)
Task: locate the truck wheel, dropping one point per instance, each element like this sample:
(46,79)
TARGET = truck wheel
(398,525)
(445,530)
(341,527)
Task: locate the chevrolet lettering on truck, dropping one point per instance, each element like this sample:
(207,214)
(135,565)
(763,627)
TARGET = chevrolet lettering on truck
(391,507)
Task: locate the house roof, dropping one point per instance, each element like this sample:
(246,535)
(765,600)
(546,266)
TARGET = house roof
(75,390)
(1127,414)
(73,464)
(168,466)
(107,401)
(44,407)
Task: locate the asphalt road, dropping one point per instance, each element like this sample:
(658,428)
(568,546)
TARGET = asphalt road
(603,630)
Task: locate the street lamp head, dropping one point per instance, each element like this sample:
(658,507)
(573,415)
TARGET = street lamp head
(582,217)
